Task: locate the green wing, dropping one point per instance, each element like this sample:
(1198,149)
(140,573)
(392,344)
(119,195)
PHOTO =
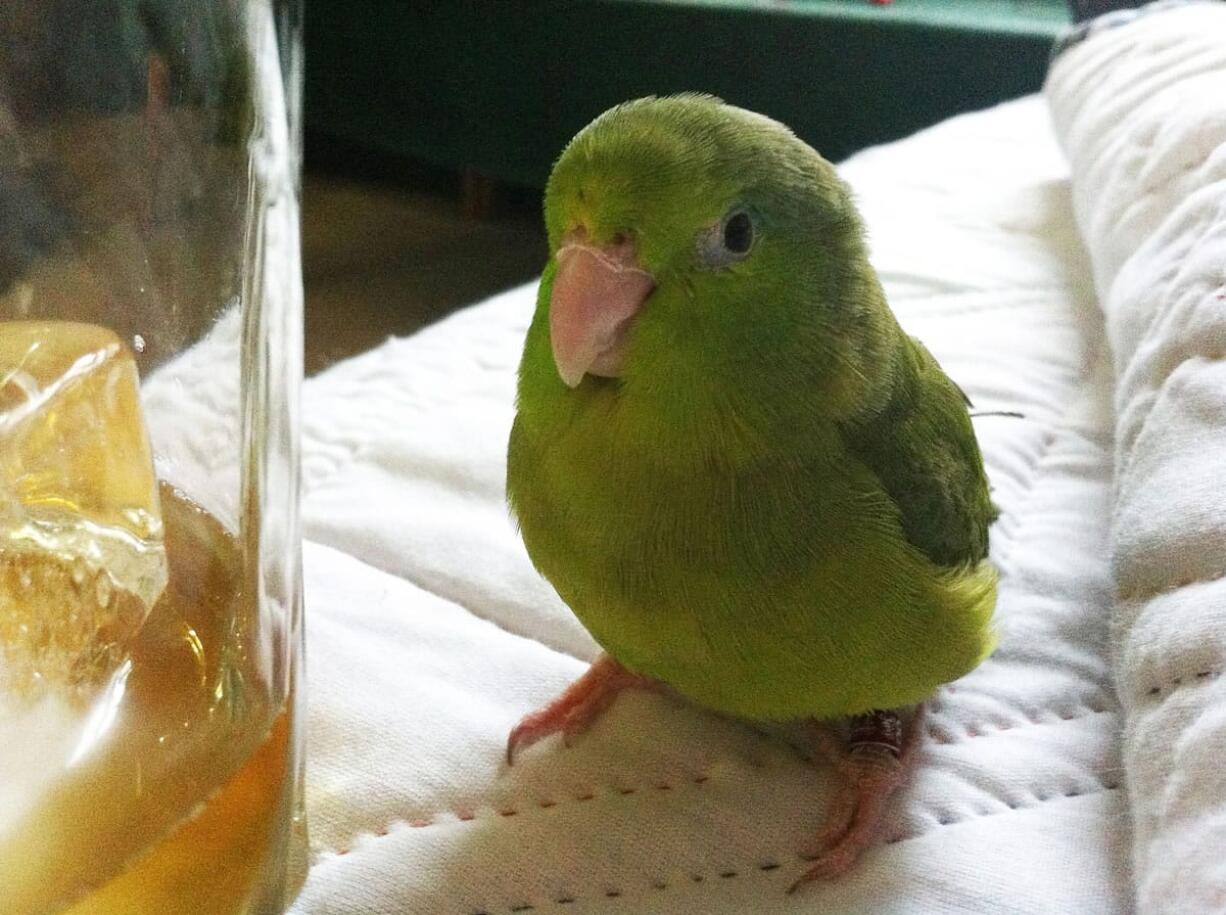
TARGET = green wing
(922,447)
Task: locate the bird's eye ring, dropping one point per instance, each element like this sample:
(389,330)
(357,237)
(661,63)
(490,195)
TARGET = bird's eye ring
(730,240)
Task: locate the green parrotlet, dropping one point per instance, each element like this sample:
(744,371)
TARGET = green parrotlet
(749,484)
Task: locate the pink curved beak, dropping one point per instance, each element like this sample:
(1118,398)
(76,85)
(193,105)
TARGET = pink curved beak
(597,291)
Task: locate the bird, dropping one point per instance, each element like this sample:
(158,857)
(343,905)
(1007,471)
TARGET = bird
(750,485)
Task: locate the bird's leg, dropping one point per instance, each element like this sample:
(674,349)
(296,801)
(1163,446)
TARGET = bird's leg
(876,761)
(575,710)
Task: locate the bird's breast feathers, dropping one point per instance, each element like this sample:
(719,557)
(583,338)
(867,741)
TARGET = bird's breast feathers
(772,592)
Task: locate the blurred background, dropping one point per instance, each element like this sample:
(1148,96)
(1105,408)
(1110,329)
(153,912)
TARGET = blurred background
(431,127)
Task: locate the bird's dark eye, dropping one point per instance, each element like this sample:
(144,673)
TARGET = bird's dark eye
(728,241)
(738,233)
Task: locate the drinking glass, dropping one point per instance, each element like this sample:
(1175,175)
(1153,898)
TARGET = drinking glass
(150,363)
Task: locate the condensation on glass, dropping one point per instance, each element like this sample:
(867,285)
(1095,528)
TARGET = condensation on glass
(150,361)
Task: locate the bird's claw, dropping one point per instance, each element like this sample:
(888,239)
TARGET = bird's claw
(540,725)
(576,709)
(870,772)
(522,736)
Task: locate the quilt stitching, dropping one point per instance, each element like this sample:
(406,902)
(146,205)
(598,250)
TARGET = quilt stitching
(762,867)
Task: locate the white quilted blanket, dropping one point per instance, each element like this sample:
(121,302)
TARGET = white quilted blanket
(429,633)
(1141,111)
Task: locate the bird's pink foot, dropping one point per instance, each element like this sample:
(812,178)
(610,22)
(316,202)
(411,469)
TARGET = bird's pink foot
(877,760)
(582,703)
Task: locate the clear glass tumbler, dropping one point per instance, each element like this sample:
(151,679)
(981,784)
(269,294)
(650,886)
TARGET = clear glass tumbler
(150,363)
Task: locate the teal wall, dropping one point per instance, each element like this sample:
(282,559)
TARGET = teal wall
(500,85)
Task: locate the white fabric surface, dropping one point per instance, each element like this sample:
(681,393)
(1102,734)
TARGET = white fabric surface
(429,634)
(1141,111)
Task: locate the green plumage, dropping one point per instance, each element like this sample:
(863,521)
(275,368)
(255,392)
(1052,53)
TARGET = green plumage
(778,507)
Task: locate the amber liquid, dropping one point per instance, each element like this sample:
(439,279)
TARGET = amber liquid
(173,795)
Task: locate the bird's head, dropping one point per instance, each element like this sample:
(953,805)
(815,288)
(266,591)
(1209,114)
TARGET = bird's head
(692,242)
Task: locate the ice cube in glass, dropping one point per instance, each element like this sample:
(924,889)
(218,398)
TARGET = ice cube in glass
(82,560)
